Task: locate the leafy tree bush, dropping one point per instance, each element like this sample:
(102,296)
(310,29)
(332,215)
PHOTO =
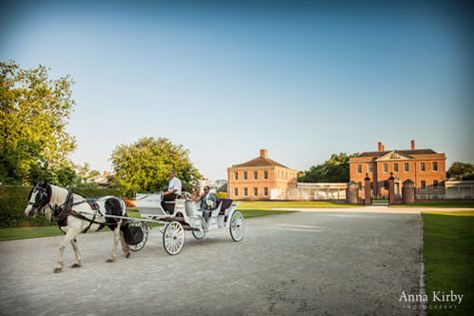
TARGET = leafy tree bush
(335,169)
(222,195)
(461,171)
(34,112)
(13,200)
(144,165)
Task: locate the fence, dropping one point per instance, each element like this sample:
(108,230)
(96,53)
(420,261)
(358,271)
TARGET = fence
(311,191)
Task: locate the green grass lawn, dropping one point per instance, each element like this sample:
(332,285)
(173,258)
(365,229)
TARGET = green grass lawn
(268,205)
(442,204)
(257,213)
(449,258)
(29,232)
(47,231)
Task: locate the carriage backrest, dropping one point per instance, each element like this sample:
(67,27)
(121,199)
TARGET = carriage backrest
(224,205)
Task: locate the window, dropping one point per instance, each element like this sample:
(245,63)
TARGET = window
(255,175)
(359,185)
(406,167)
(236,175)
(385,185)
(395,167)
(265,174)
(255,191)
(371,168)
(385,167)
(246,191)
(265,191)
(359,168)
(435,185)
(423,184)
(245,175)
(236,191)
(435,166)
(422,166)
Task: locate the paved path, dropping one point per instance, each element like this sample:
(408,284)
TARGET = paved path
(329,263)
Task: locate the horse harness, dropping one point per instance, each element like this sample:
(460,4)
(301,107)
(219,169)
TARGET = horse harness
(61,212)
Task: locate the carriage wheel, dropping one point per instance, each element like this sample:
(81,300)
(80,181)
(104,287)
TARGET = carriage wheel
(236,227)
(198,234)
(145,230)
(173,238)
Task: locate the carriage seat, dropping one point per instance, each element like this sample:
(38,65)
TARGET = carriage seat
(224,205)
(216,211)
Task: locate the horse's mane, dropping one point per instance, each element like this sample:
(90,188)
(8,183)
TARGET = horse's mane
(58,197)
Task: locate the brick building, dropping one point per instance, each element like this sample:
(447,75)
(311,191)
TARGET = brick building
(255,179)
(425,167)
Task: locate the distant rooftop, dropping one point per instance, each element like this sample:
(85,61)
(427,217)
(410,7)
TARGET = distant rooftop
(405,152)
(261,161)
(401,152)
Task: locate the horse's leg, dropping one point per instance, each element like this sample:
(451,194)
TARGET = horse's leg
(125,246)
(116,233)
(70,235)
(77,254)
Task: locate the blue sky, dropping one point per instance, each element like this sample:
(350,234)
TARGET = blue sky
(227,79)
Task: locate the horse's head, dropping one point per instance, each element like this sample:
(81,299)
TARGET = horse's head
(39,197)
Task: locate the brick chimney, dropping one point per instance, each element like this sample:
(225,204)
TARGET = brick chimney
(264,153)
(380,146)
(412,144)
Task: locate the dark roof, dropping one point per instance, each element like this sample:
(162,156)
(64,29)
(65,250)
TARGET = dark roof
(407,153)
(260,162)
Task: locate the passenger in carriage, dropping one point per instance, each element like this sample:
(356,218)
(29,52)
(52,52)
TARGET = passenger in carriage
(196,196)
(205,202)
(208,202)
(174,189)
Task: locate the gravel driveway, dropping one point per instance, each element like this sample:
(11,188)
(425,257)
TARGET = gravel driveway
(321,262)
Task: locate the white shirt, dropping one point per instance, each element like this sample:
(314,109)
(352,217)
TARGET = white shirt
(175,183)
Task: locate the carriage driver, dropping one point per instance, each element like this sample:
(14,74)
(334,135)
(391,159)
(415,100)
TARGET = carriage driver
(174,188)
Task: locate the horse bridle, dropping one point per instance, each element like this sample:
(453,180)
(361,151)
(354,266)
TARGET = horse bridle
(39,203)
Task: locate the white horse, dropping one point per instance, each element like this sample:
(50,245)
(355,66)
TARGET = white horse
(74,215)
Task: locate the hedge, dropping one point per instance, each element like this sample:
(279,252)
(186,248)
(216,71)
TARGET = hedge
(13,200)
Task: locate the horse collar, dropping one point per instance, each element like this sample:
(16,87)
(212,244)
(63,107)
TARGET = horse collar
(62,212)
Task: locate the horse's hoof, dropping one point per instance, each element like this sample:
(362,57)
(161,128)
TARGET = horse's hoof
(127,255)
(76,265)
(109,260)
(57,270)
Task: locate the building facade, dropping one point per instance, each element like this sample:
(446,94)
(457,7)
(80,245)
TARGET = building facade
(425,167)
(255,179)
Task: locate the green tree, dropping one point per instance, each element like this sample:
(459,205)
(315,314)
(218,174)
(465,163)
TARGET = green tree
(461,171)
(145,165)
(85,173)
(335,169)
(34,112)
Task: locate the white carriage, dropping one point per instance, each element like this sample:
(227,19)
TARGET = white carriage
(186,216)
